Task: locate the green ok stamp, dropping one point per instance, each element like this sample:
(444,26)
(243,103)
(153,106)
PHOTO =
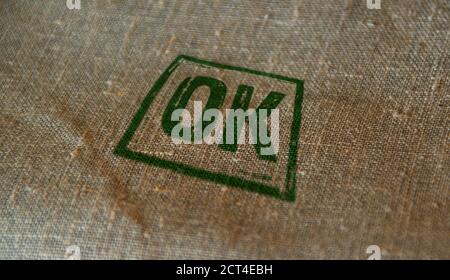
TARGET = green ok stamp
(189,81)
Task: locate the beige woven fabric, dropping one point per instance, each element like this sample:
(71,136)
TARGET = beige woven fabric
(373,160)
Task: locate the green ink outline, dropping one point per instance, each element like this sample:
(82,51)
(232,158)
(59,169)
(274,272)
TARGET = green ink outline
(234,181)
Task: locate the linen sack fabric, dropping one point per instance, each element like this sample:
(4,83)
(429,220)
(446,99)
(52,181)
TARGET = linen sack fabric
(373,156)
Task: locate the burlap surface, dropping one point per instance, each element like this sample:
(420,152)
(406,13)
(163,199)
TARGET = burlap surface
(373,159)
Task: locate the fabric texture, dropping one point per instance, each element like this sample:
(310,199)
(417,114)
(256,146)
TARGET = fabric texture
(373,160)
